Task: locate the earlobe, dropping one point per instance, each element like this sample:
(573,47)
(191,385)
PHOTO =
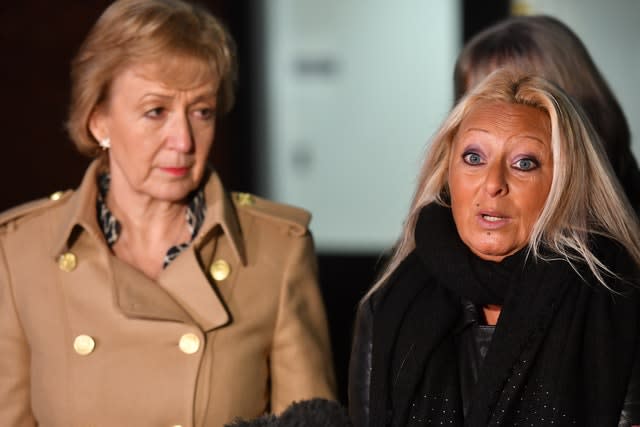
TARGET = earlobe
(105,143)
(96,125)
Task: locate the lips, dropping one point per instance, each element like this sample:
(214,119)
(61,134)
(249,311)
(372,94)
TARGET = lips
(176,171)
(492,220)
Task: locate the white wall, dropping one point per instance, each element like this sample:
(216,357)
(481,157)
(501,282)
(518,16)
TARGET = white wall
(354,91)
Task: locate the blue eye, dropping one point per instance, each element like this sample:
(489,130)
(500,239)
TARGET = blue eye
(526,164)
(472,158)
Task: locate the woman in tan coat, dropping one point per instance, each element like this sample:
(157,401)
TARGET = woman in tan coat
(150,295)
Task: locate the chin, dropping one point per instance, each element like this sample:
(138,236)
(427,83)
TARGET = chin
(491,252)
(173,193)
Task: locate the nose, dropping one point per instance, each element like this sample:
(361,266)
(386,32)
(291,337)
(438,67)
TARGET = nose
(496,182)
(180,136)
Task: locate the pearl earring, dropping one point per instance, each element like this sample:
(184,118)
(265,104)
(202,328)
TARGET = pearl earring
(105,143)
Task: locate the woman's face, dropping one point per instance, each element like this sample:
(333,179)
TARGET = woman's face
(500,173)
(160,135)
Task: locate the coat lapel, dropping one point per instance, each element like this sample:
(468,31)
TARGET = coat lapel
(185,280)
(183,291)
(140,297)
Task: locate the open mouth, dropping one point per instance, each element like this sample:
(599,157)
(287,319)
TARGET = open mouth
(491,218)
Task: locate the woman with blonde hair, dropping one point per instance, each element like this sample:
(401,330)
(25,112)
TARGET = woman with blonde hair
(511,296)
(545,46)
(151,296)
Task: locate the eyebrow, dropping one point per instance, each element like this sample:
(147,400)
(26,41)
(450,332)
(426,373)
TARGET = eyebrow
(535,138)
(208,94)
(477,129)
(155,95)
(200,97)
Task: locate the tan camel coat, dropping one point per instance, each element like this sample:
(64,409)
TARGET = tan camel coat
(234,327)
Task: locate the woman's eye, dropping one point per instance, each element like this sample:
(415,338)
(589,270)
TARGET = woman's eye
(206,113)
(472,158)
(154,112)
(526,164)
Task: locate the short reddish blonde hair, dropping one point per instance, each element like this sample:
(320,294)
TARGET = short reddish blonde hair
(141,32)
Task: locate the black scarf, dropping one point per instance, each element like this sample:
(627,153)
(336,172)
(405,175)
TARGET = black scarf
(561,354)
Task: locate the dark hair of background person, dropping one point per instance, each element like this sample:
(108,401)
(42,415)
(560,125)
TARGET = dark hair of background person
(38,40)
(550,48)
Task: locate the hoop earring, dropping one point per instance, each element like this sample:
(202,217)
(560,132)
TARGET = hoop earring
(105,143)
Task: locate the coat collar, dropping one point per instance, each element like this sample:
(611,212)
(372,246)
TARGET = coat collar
(183,282)
(80,211)
(220,212)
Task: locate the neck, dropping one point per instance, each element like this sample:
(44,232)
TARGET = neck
(145,216)
(149,227)
(491,314)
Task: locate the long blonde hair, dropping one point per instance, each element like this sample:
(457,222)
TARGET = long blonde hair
(584,198)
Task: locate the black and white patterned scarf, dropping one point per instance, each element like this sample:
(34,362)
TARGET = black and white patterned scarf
(111,227)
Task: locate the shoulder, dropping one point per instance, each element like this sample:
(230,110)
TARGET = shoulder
(12,218)
(407,280)
(293,219)
(622,267)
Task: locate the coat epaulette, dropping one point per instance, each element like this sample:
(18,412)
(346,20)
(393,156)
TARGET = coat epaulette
(296,219)
(32,207)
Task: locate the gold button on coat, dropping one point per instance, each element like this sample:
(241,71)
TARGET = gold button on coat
(245,199)
(84,345)
(57,195)
(220,270)
(67,262)
(189,343)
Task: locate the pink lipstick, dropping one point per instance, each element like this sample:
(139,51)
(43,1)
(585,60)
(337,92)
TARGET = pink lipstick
(176,171)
